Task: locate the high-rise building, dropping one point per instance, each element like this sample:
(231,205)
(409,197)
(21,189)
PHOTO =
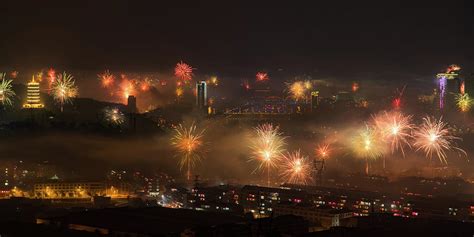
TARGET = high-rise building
(201,94)
(132,104)
(33,100)
(450,83)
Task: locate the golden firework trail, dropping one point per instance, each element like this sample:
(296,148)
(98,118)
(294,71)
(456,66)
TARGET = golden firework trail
(188,141)
(64,89)
(267,146)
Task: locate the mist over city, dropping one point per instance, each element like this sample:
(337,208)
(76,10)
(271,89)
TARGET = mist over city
(120,118)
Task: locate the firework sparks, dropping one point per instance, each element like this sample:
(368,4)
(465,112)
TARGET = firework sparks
(366,145)
(106,79)
(323,151)
(183,71)
(64,89)
(262,76)
(355,87)
(297,90)
(51,76)
(39,76)
(213,81)
(189,143)
(464,102)
(308,85)
(6,90)
(433,138)
(296,168)
(114,116)
(267,146)
(179,92)
(442,91)
(145,84)
(127,88)
(395,128)
(396,103)
(246,85)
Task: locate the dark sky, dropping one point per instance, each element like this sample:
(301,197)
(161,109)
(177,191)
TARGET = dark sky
(332,37)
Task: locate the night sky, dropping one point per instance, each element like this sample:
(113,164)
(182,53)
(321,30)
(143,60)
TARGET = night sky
(233,37)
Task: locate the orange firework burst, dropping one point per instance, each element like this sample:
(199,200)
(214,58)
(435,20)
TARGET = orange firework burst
(434,138)
(145,84)
(323,151)
(267,146)
(355,86)
(262,76)
(183,71)
(213,81)
(395,128)
(190,146)
(296,168)
(127,88)
(106,79)
(297,90)
(179,92)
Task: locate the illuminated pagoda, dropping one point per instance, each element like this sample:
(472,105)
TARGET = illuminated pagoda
(33,100)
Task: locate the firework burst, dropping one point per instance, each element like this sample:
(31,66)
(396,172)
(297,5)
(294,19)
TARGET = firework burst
(127,88)
(145,84)
(368,146)
(395,128)
(297,90)
(51,76)
(114,116)
(183,71)
(190,146)
(262,76)
(296,168)
(308,85)
(464,102)
(106,79)
(6,90)
(64,89)
(246,85)
(213,81)
(323,151)
(267,147)
(434,138)
(179,92)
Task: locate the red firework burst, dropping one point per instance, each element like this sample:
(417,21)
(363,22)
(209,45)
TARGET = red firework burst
(262,76)
(51,75)
(183,71)
(106,79)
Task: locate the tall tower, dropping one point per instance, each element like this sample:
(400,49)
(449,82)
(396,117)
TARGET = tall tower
(33,100)
(132,104)
(201,94)
(450,83)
